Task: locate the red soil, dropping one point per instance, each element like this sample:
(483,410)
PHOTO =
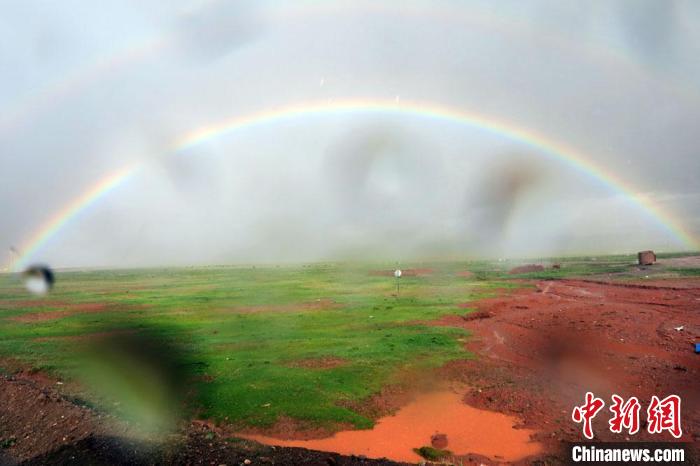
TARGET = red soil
(70,310)
(25,303)
(541,349)
(465,430)
(86,336)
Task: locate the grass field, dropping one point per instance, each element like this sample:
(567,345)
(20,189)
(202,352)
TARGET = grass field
(246,328)
(250,339)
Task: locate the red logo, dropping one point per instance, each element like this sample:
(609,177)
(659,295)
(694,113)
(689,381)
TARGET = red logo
(665,415)
(624,415)
(661,415)
(586,412)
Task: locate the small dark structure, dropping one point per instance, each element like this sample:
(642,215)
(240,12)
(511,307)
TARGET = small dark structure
(439,441)
(646,257)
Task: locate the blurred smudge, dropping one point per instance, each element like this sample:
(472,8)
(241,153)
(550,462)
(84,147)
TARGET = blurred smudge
(38,279)
(141,374)
(649,29)
(383,176)
(491,202)
(216,29)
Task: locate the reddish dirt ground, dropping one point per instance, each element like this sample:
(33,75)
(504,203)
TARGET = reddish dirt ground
(442,414)
(27,303)
(85,336)
(40,426)
(541,349)
(70,309)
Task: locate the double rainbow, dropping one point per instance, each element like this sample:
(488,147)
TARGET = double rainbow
(544,146)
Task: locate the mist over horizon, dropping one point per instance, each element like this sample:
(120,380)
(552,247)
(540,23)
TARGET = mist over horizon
(89,89)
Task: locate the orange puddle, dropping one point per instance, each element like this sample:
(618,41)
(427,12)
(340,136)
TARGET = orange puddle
(468,430)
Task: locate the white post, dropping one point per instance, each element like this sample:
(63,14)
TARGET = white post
(397,274)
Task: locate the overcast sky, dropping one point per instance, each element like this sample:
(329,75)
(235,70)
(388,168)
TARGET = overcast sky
(87,88)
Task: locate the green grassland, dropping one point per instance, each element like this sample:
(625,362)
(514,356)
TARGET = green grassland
(244,328)
(243,331)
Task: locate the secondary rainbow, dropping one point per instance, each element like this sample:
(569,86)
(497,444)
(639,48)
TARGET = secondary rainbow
(469,15)
(500,128)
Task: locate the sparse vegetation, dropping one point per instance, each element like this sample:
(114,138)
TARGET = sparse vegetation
(432,454)
(7,442)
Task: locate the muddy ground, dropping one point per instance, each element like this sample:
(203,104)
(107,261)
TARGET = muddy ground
(39,426)
(539,350)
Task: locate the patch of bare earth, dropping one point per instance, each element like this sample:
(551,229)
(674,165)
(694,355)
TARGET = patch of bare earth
(35,418)
(681,262)
(404,389)
(86,336)
(317,305)
(25,303)
(39,426)
(70,309)
(528,268)
(291,429)
(540,350)
(326,362)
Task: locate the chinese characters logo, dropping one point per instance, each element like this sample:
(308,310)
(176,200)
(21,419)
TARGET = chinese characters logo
(662,415)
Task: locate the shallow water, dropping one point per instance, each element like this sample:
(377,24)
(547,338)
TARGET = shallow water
(468,430)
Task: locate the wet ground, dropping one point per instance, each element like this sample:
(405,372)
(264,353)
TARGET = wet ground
(541,349)
(39,426)
(437,415)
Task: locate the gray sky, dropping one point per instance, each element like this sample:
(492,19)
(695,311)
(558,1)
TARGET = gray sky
(87,88)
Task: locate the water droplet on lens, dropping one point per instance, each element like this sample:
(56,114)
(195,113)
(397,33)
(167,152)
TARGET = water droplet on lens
(38,279)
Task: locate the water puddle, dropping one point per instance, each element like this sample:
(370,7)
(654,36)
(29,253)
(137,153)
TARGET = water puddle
(468,430)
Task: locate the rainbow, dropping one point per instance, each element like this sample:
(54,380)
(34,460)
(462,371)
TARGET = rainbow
(548,147)
(69,212)
(13,116)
